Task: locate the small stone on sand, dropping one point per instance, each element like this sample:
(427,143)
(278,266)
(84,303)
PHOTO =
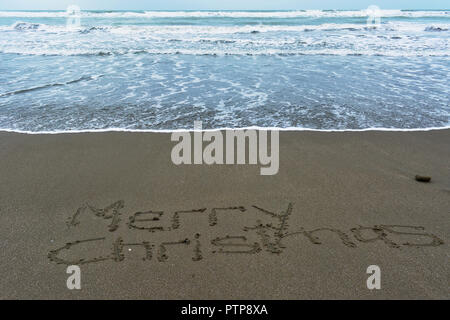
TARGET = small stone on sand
(423,178)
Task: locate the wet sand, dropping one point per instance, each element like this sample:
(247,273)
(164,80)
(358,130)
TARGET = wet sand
(141,227)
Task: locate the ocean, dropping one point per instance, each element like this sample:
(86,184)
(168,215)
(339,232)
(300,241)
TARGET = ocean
(161,70)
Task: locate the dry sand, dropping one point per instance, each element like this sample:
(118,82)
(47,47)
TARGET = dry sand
(359,185)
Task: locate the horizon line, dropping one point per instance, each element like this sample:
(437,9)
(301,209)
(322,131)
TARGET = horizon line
(256,10)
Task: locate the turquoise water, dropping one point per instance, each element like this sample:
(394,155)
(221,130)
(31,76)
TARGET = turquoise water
(163,70)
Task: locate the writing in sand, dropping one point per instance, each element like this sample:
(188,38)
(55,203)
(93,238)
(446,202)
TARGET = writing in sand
(153,233)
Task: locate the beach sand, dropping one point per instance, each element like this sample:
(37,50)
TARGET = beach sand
(358,186)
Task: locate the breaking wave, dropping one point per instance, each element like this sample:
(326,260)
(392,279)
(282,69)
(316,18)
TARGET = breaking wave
(226,14)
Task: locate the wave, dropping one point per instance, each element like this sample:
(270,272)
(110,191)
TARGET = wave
(227,14)
(253,29)
(25,26)
(388,39)
(434,28)
(224,52)
(84,78)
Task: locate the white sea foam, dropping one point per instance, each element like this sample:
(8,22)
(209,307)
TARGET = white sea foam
(221,129)
(222,52)
(235,29)
(389,39)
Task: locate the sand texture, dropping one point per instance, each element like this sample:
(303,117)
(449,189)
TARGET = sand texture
(141,227)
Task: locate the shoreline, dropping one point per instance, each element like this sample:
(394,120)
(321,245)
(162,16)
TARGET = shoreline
(141,227)
(287,129)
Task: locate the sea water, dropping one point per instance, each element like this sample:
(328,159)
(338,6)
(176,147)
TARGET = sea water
(162,70)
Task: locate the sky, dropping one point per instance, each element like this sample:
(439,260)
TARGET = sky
(219,4)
